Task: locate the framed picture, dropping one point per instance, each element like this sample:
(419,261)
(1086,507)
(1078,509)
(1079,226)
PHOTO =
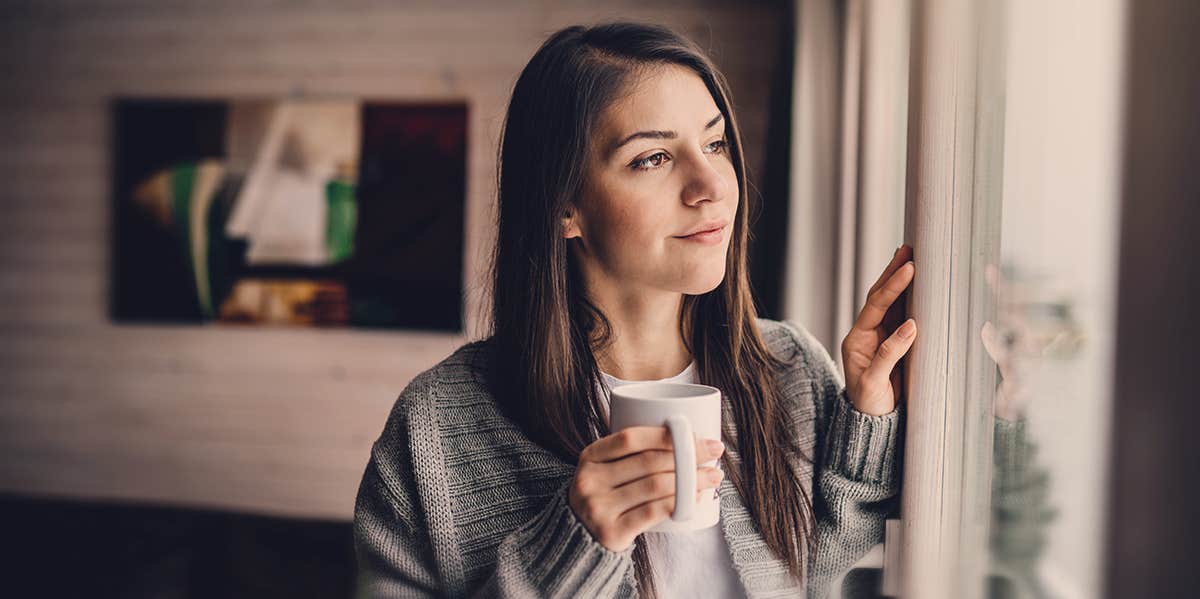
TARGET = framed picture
(289,212)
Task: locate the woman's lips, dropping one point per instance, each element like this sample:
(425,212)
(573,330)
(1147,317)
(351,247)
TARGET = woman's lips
(711,237)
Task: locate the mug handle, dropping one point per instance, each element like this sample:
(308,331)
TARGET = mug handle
(685,467)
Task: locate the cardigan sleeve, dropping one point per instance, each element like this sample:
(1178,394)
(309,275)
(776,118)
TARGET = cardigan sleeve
(1020,508)
(856,476)
(402,552)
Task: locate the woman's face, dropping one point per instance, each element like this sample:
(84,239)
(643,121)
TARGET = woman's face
(658,171)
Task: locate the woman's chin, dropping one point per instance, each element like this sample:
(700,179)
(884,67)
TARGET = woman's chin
(704,284)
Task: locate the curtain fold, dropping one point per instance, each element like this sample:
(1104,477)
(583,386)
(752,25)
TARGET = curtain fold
(846,192)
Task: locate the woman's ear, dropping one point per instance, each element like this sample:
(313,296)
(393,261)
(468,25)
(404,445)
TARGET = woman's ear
(570,223)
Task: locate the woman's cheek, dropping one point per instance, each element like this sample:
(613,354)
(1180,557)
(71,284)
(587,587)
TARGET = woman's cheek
(623,245)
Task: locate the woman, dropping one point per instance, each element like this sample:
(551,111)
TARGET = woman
(621,255)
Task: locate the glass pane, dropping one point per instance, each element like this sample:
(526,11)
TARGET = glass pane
(1049,298)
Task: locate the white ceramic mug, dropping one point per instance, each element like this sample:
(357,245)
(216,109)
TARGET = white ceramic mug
(689,412)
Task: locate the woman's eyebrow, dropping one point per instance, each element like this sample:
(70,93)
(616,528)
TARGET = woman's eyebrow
(659,134)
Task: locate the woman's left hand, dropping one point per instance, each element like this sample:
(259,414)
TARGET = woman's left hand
(871,350)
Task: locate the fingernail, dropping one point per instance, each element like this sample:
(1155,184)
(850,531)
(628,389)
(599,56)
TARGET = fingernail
(715,447)
(715,475)
(908,328)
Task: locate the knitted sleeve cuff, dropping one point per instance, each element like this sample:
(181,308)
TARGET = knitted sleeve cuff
(557,555)
(1011,451)
(862,447)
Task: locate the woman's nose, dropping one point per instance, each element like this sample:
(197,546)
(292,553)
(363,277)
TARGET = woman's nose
(704,181)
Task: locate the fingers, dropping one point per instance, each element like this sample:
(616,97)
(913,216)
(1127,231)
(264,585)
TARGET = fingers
(1011,398)
(995,348)
(641,478)
(653,461)
(903,254)
(636,439)
(597,478)
(645,515)
(640,465)
(879,300)
(657,486)
(626,442)
(890,351)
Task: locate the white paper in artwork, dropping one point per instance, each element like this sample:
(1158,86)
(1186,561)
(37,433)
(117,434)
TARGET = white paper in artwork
(281,208)
(250,205)
(291,229)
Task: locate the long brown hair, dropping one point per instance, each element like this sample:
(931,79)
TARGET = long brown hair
(544,329)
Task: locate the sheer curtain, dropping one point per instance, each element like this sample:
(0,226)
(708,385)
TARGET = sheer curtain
(846,195)
(988,139)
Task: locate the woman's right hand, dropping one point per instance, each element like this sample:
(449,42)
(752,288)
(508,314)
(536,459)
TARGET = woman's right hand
(625,482)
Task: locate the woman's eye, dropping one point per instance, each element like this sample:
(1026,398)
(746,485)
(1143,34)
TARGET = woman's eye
(717,147)
(657,159)
(652,161)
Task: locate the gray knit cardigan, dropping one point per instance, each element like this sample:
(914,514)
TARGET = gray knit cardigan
(457,501)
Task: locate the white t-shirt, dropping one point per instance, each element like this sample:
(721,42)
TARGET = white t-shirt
(693,563)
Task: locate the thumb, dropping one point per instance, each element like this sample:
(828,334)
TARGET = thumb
(890,351)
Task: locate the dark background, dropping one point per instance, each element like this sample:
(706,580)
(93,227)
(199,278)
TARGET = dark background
(67,549)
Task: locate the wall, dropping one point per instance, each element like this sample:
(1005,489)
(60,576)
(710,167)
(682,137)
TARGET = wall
(1152,517)
(272,421)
